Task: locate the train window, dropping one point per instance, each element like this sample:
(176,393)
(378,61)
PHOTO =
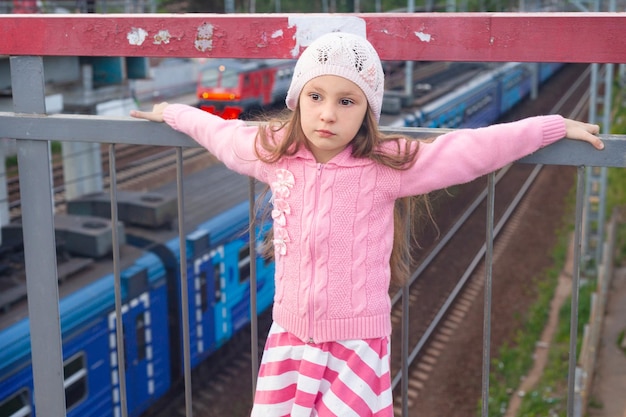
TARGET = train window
(210,77)
(230,79)
(75,382)
(478,106)
(140,335)
(204,298)
(136,283)
(218,282)
(246,81)
(18,405)
(244,263)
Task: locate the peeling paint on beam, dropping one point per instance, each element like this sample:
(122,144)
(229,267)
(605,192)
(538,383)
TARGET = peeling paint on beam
(530,37)
(424,37)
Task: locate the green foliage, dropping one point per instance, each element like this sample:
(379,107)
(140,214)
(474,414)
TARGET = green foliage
(621,345)
(616,198)
(617,186)
(595,403)
(549,398)
(10,162)
(616,194)
(56,148)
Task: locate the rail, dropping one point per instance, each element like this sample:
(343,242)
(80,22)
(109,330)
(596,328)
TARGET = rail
(580,37)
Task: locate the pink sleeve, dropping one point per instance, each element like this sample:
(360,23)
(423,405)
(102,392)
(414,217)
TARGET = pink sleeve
(231,141)
(463,155)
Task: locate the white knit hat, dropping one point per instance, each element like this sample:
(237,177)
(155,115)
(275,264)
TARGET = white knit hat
(345,55)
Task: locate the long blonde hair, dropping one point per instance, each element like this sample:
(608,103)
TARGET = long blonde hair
(366,144)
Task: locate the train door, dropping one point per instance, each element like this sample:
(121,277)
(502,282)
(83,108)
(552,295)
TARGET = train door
(255,90)
(236,303)
(204,293)
(267,85)
(138,355)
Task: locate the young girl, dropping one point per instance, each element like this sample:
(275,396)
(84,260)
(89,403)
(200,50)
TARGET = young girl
(334,180)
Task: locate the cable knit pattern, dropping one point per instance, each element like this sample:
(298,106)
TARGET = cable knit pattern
(305,263)
(334,222)
(363,207)
(379,258)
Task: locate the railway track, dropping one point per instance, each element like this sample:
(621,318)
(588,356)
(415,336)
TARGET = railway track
(137,168)
(450,279)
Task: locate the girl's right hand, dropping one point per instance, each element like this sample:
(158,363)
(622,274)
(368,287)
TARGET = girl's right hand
(156,115)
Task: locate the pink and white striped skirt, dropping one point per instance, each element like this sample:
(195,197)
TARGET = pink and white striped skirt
(344,378)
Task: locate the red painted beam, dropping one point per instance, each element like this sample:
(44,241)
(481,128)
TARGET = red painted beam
(530,37)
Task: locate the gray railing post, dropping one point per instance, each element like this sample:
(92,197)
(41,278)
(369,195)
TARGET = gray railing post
(39,242)
(489,236)
(119,321)
(184,284)
(254,321)
(573,333)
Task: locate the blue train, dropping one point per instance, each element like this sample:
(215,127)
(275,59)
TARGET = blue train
(218,259)
(218,276)
(481,101)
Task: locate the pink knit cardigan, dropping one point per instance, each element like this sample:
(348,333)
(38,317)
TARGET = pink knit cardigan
(333,222)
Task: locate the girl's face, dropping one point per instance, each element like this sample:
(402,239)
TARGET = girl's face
(332,110)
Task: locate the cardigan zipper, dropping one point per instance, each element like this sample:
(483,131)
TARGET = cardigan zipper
(313,244)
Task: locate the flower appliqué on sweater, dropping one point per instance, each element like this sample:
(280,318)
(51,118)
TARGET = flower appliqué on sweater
(281,188)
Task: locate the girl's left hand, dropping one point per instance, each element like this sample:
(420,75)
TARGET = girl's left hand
(583,131)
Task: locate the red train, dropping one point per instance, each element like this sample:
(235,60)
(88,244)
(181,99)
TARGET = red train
(237,88)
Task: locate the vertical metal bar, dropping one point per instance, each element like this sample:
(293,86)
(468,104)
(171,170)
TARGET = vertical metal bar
(5,216)
(404,349)
(488,280)
(602,184)
(254,326)
(606,129)
(184,287)
(28,88)
(408,70)
(534,71)
(593,93)
(573,333)
(594,82)
(119,321)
